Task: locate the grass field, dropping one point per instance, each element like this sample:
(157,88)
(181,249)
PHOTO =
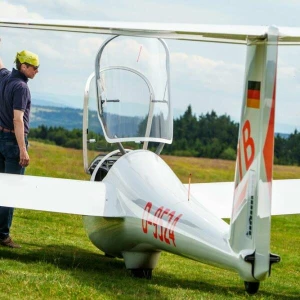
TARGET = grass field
(57,261)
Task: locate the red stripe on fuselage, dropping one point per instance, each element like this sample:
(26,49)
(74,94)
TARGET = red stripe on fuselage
(268,151)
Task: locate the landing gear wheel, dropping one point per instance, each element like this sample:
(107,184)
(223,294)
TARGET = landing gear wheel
(109,256)
(141,273)
(251,287)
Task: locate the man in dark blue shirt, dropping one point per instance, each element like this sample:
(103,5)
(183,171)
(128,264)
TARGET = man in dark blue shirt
(15,102)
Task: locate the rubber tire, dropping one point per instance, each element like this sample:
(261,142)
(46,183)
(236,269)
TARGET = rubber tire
(141,273)
(109,256)
(251,287)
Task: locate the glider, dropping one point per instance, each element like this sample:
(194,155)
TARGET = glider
(134,207)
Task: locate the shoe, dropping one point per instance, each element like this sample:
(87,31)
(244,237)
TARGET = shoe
(8,242)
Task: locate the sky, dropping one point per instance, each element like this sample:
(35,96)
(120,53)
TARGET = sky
(209,76)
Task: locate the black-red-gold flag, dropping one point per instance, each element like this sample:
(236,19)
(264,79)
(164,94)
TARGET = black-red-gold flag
(253,94)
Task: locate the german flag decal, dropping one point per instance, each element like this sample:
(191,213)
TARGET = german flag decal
(253,95)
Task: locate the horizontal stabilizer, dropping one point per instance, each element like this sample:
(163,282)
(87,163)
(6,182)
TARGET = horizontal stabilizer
(218,197)
(53,194)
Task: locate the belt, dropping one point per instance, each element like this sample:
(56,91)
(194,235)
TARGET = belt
(6,130)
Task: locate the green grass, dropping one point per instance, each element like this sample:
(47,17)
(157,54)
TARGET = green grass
(52,161)
(57,261)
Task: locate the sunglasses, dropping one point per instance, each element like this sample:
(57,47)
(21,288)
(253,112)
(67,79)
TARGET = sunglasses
(29,65)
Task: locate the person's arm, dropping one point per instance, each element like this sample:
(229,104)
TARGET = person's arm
(19,132)
(1,64)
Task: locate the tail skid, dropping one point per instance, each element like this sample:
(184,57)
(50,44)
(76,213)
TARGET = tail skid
(251,212)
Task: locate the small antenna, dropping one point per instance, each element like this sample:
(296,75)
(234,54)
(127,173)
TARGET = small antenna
(189,190)
(139,53)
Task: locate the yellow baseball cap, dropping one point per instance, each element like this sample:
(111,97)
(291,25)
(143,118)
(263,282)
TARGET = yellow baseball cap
(28,57)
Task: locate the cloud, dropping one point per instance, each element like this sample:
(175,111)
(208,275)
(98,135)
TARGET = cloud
(127,10)
(89,46)
(61,9)
(286,72)
(16,11)
(210,74)
(165,11)
(287,69)
(48,51)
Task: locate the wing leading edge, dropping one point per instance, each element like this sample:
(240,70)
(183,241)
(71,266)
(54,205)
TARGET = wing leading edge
(195,32)
(55,194)
(233,34)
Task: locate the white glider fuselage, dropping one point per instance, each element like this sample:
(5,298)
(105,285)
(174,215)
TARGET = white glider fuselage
(149,211)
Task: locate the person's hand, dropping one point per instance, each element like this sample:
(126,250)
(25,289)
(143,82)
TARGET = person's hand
(24,157)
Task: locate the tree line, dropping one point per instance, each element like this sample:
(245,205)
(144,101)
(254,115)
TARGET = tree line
(207,135)
(63,137)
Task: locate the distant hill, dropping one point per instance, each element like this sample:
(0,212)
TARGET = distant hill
(71,118)
(52,114)
(42,102)
(66,117)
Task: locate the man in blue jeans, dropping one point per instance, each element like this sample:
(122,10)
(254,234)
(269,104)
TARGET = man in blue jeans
(15,102)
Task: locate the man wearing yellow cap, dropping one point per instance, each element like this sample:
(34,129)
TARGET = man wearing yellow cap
(15,102)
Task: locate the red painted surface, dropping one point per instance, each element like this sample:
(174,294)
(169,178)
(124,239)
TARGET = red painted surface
(154,219)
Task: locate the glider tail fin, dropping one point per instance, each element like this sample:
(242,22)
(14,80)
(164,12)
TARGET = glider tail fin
(251,213)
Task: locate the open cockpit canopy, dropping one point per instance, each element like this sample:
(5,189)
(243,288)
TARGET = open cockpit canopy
(133,90)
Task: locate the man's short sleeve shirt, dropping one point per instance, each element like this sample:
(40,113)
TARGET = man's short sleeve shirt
(14,94)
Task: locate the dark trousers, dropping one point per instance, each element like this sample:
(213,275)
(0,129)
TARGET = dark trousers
(9,163)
